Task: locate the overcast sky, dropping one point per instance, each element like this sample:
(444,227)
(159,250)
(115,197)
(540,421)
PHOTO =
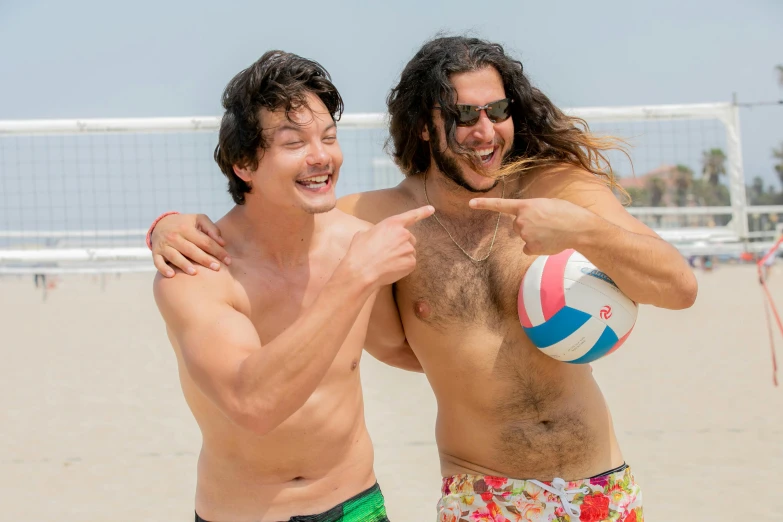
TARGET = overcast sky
(91,58)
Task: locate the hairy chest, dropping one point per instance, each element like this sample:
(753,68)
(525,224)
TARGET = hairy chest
(448,289)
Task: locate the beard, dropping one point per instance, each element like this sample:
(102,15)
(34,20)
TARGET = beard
(449,166)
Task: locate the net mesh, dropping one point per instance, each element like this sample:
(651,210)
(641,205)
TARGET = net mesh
(64,193)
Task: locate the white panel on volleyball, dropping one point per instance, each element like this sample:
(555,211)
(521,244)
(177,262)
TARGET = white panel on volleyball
(578,343)
(581,296)
(580,290)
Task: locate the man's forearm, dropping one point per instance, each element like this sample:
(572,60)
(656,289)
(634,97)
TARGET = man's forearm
(279,378)
(647,269)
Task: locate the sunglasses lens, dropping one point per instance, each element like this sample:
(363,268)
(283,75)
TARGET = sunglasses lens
(468,115)
(499,111)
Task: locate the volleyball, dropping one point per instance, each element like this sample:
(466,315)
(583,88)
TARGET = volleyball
(572,311)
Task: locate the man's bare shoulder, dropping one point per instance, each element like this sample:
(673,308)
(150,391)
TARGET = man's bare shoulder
(563,182)
(177,295)
(376,205)
(338,228)
(346,221)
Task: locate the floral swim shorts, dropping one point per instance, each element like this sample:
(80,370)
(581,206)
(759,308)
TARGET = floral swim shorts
(612,496)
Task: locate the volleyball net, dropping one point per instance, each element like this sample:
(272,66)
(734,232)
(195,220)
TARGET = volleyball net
(77,196)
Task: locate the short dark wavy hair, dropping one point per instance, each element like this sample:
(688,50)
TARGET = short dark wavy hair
(543,134)
(277,80)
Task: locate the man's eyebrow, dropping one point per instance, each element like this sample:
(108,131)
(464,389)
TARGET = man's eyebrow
(293,127)
(284,127)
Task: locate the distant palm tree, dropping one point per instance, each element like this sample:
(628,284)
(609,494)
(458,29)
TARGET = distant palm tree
(756,191)
(778,155)
(683,182)
(713,163)
(657,188)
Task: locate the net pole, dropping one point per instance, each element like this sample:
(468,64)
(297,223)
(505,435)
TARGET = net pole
(735,171)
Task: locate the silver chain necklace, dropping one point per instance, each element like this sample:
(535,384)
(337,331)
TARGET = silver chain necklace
(492,244)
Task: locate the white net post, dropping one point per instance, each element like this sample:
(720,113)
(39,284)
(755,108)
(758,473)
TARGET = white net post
(735,171)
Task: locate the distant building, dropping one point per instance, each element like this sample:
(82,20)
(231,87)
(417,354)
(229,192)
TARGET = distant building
(669,176)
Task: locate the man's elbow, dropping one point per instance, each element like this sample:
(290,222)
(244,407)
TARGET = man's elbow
(402,358)
(409,363)
(690,292)
(683,293)
(255,416)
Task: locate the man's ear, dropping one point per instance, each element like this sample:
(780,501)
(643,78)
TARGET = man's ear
(243,173)
(425,133)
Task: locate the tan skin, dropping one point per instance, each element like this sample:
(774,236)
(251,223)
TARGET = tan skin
(504,408)
(269,349)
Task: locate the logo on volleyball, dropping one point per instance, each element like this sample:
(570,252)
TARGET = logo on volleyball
(606,312)
(599,275)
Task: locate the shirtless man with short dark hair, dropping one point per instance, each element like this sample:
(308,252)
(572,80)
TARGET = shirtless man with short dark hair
(268,348)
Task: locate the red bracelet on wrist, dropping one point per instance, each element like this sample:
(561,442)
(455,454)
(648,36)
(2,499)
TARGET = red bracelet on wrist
(152,226)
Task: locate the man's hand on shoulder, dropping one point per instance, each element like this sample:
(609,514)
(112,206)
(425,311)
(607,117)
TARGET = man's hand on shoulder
(182,239)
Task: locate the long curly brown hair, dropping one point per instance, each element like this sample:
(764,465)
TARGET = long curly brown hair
(543,134)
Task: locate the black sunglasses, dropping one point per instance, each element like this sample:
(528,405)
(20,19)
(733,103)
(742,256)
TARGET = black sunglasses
(497,111)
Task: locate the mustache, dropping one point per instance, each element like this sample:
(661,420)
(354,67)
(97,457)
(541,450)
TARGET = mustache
(317,171)
(498,141)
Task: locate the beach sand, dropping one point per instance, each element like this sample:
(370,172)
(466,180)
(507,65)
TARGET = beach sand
(94,427)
